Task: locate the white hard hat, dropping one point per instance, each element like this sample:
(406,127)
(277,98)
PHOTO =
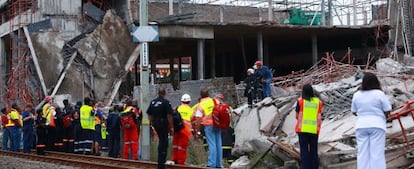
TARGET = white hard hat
(185,98)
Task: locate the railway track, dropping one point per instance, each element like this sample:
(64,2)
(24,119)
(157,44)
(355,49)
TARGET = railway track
(85,161)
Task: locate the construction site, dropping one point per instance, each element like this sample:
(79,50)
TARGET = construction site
(71,49)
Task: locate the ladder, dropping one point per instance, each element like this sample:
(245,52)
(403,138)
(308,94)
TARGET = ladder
(407,25)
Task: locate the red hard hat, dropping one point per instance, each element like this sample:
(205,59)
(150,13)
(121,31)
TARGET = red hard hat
(258,63)
(48,98)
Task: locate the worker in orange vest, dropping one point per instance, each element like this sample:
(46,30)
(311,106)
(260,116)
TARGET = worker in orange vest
(181,138)
(309,121)
(14,125)
(6,133)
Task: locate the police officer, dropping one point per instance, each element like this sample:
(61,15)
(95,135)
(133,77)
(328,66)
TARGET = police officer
(160,116)
(114,131)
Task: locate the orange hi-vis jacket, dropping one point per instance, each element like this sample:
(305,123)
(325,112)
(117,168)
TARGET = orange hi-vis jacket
(309,118)
(206,106)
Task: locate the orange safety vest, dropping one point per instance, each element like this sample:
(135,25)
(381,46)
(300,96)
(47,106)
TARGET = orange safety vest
(50,117)
(186,113)
(206,106)
(309,119)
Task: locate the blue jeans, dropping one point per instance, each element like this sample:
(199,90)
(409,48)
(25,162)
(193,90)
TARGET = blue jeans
(309,150)
(215,153)
(28,138)
(15,138)
(6,138)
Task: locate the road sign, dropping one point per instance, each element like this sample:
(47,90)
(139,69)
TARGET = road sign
(144,54)
(145,34)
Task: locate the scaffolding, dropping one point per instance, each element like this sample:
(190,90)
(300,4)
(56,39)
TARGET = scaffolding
(17,89)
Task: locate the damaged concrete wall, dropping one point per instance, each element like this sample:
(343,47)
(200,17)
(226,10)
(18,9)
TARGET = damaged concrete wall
(101,56)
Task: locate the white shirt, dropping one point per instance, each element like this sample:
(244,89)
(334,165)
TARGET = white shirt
(370,106)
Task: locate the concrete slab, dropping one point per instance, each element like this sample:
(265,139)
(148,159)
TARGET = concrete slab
(193,32)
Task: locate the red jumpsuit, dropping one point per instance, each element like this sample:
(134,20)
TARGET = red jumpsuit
(182,137)
(130,132)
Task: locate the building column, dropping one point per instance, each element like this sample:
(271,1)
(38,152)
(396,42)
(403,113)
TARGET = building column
(266,59)
(200,59)
(270,10)
(180,69)
(213,59)
(153,62)
(314,49)
(3,58)
(260,46)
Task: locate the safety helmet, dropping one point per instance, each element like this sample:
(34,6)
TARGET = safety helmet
(186,98)
(48,98)
(250,70)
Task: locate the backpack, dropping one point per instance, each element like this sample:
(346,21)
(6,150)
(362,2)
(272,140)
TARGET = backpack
(221,115)
(177,120)
(127,120)
(67,121)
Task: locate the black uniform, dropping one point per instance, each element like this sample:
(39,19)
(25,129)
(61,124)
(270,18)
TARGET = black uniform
(68,129)
(228,139)
(158,109)
(59,130)
(251,88)
(41,132)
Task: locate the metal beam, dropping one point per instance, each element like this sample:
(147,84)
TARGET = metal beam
(35,60)
(63,75)
(200,59)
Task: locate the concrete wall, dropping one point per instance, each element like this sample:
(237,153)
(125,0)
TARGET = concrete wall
(223,85)
(60,7)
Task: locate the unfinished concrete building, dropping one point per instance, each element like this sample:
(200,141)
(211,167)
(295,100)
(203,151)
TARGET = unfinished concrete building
(81,47)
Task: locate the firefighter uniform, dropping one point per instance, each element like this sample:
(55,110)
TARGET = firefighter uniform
(228,139)
(130,129)
(87,120)
(41,132)
(68,129)
(181,138)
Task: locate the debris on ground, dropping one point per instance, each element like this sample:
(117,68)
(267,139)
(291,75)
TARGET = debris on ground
(271,121)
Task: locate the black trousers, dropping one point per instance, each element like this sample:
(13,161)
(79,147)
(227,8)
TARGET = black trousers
(162,133)
(113,145)
(68,139)
(78,137)
(309,150)
(51,138)
(41,140)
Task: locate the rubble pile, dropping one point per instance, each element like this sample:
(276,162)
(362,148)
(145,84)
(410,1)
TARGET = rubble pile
(270,123)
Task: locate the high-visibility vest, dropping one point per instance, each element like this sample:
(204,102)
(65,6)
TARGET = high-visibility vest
(206,106)
(309,119)
(45,108)
(14,115)
(186,112)
(87,119)
(103,131)
(131,108)
(50,117)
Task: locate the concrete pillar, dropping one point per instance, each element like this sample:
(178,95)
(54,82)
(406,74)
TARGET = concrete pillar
(365,17)
(330,14)
(213,59)
(354,11)
(270,10)
(266,53)
(170,7)
(221,14)
(323,17)
(200,59)
(348,19)
(260,46)
(314,49)
(180,69)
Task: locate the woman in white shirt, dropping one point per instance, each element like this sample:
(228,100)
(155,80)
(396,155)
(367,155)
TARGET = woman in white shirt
(372,107)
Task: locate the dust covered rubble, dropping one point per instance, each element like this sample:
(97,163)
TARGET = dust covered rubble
(272,121)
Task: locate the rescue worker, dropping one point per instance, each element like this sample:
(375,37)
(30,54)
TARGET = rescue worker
(160,116)
(309,121)
(28,122)
(114,131)
(129,121)
(98,129)
(49,113)
(181,138)
(251,87)
(59,129)
(77,148)
(104,134)
(6,133)
(41,133)
(213,135)
(14,125)
(68,128)
(228,138)
(87,121)
(264,75)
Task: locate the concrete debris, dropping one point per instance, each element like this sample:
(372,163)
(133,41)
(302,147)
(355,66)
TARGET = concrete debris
(272,120)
